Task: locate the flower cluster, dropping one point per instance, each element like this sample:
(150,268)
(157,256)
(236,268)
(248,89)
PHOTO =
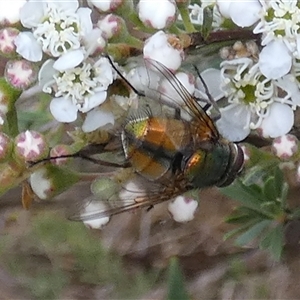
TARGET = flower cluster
(261,86)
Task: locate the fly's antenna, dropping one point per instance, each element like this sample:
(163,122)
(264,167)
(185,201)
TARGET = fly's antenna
(123,77)
(210,98)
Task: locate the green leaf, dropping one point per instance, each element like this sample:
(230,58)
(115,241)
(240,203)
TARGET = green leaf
(242,214)
(236,231)
(274,241)
(252,233)
(284,194)
(278,180)
(176,287)
(269,190)
(207,21)
(249,196)
(259,172)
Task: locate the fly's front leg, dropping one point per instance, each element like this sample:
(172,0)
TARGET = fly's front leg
(211,101)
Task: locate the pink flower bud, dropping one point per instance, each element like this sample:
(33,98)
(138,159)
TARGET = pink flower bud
(111,25)
(60,150)
(7,37)
(21,74)
(30,146)
(285,146)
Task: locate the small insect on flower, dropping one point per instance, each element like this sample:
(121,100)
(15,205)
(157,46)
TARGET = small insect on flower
(170,146)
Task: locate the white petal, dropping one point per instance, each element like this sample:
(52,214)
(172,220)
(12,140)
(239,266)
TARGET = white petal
(288,83)
(245,13)
(69,60)
(94,42)
(28,47)
(224,8)
(29,19)
(234,122)
(63,110)
(212,78)
(275,60)
(279,121)
(94,101)
(96,119)
(84,15)
(46,72)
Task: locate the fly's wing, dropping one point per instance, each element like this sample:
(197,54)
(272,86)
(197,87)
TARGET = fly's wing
(112,196)
(161,85)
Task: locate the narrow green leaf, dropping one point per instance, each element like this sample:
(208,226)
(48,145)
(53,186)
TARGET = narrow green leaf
(238,218)
(236,231)
(269,189)
(207,21)
(284,194)
(247,195)
(278,181)
(252,233)
(176,286)
(274,241)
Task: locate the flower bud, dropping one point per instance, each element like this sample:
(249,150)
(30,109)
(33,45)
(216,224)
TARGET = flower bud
(108,5)
(7,45)
(21,74)
(50,181)
(154,18)
(183,209)
(93,207)
(30,146)
(10,12)
(285,146)
(111,26)
(164,48)
(60,150)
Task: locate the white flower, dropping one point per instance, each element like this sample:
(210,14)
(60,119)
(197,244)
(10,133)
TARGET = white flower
(165,49)
(57,27)
(279,25)
(81,88)
(157,18)
(255,102)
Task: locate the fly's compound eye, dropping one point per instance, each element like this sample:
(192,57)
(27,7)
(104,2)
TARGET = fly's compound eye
(236,164)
